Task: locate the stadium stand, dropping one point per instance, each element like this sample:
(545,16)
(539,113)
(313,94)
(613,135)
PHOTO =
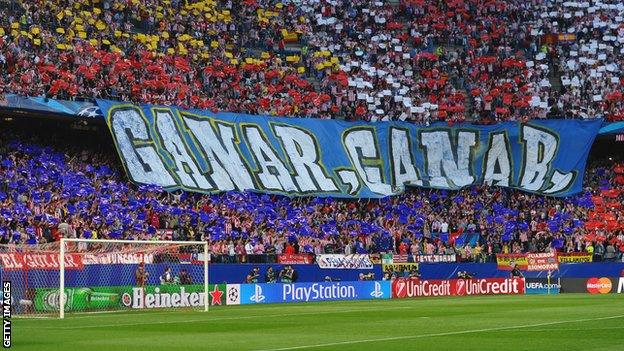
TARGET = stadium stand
(50,189)
(590,63)
(208,155)
(414,60)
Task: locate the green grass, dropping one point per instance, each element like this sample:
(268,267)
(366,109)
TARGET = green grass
(557,322)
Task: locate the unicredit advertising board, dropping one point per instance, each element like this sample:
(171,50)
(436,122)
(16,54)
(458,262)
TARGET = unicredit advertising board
(405,288)
(307,292)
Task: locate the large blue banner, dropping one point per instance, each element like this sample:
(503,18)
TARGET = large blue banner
(211,152)
(309,292)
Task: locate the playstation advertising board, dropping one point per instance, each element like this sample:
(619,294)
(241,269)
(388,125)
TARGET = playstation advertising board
(306,292)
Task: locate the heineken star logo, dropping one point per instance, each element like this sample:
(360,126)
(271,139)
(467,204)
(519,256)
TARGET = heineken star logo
(216,295)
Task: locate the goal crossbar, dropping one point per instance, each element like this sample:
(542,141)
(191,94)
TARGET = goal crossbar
(169,242)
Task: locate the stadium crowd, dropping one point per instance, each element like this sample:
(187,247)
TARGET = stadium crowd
(410,60)
(414,60)
(50,190)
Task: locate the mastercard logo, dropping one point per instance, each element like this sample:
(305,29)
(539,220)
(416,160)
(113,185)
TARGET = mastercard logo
(599,285)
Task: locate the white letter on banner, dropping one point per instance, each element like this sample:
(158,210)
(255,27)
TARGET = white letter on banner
(138,152)
(227,167)
(361,145)
(271,170)
(498,154)
(403,166)
(560,181)
(301,150)
(441,159)
(539,151)
(187,168)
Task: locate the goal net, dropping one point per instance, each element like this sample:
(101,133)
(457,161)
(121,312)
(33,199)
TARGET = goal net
(106,275)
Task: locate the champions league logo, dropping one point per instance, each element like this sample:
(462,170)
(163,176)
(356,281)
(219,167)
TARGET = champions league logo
(461,287)
(89,112)
(232,295)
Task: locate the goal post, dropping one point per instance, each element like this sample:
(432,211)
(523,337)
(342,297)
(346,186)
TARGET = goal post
(97,275)
(183,282)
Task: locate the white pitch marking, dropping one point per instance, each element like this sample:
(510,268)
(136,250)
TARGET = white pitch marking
(407,337)
(218,319)
(561,329)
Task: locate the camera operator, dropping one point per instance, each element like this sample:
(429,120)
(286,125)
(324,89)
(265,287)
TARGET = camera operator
(253,276)
(515,271)
(270,277)
(464,275)
(367,276)
(414,273)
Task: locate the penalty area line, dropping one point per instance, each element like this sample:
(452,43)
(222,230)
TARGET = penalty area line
(408,337)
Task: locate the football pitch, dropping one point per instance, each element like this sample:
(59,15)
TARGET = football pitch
(529,322)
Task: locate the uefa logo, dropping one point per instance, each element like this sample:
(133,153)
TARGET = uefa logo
(461,287)
(399,287)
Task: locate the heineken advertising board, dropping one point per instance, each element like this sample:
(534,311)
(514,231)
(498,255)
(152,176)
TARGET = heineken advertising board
(129,297)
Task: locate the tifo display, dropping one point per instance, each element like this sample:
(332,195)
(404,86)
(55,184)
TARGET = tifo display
(53,192)
(375,209)
(461,60)
(370,175)
(288,156)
